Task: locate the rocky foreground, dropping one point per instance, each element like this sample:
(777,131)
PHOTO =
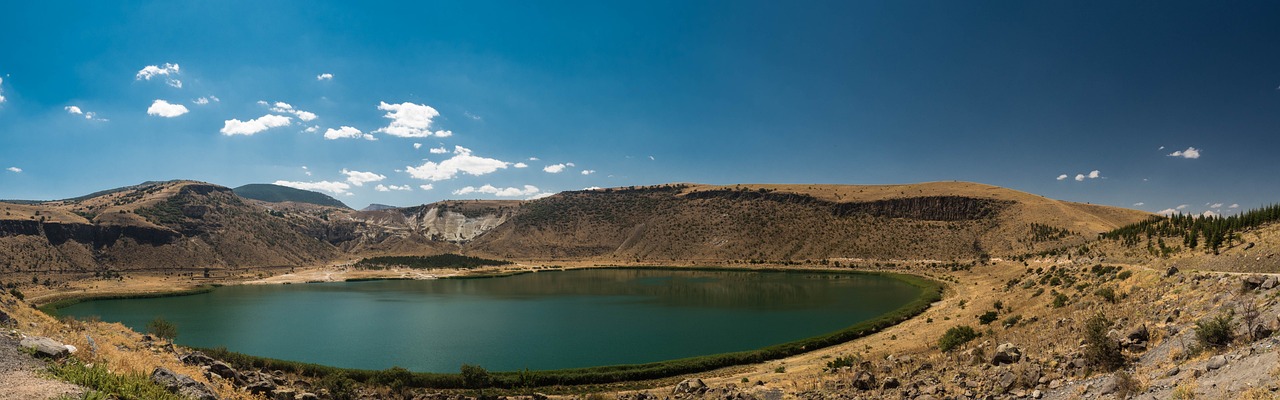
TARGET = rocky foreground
(1030,322)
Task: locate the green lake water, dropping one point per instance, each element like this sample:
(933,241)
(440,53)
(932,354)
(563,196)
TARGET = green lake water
(544,320)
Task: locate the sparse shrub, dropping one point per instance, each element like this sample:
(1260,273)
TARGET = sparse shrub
(1011,321)
(987,317)
(1217,331)
(780,370)
(162,329)
(339,385)
(1059,299)
(1100,351)
(1185,391)
(956,336)
(394,378)
(475,377)
(1106,293)
(17,293)
(841,362)
(1126,385)
(1124,275)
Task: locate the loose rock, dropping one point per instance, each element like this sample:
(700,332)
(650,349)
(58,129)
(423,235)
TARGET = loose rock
(182,384)
(45,347)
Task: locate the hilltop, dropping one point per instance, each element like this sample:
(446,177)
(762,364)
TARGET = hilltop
(279,194)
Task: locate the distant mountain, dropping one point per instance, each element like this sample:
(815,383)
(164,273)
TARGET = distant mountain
(378,207)
(278,194)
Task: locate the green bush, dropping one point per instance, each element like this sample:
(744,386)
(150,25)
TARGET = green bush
(162,329)
(98,378)
(1217,331)
(841,362)
(1011,321)
(987,317)
(1059,300)
(1106,293)
(956,336)
(1101,351)
(17,293)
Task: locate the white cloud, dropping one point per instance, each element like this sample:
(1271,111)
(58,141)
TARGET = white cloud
(520,165)
(556,168)
(306,171)
(385,188)
(326,186)
(1094,174)
(1216,205)
(533,158)
(439,150)
(1182,206)
(1167,212)
(540,195)
(345,132)
(286,108)
(591,188)
(359,178)
(588,171)
(1139,204)
(165,109)
(1062,177)
(417,146)
(87,114)
(1,91)
(312,129)
(426,186)
(1079,177)
(1190,152)
(15,170)
(253,126)
(1161,148)
(468,114)
(527,190)
(462,162)
(324,77)
(410,120)
(206,100)
(73,110)
(1209,213)
(165,70)
(1233,205)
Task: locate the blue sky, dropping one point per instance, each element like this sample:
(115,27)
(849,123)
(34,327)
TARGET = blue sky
(1009,93)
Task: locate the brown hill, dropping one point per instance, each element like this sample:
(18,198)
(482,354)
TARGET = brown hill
(942,221)
(189,225)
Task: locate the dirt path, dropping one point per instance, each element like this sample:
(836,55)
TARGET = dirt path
(21,376)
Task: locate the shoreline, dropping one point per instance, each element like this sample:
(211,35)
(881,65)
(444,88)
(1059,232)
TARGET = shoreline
(931,291)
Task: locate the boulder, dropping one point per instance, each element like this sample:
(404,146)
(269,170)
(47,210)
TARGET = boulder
(182,385)
(1005,381)
(225,371)
(45,347)
(283,394)
(1173,270)
(1270,283)
(1006,354)
(864,381)
(196,358)
(1139,335)
(1252,282)
(691,386)
(1216,362)
(890,383)
(5,319)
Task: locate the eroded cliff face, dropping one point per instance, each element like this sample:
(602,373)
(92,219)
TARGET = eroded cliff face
(432,227)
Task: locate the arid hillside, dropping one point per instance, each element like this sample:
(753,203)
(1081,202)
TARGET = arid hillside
(187,225)
(942,221)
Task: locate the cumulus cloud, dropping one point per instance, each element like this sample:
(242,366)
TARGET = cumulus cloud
(324,77)
(1139,204)
(15,170)
(312,129)
(1062,177)
(237,127)
(588,171)
(556,168)
(206,100)
(1094,174)
(1182,206)
(461,162)
(87,114)
(410,120)
(1233,205)
(540,195)
(166,71)
(286,108)
(1215,205)
(533,158)
(385,188)
(325,186)
(417,146)
(1209,213)
(359,178)
(1079,177)
(439,150)
(520,165)
(527,190)
(73,109)
(345,132)
(1190,152)
(1167,212)
(166,109)
(426,186)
